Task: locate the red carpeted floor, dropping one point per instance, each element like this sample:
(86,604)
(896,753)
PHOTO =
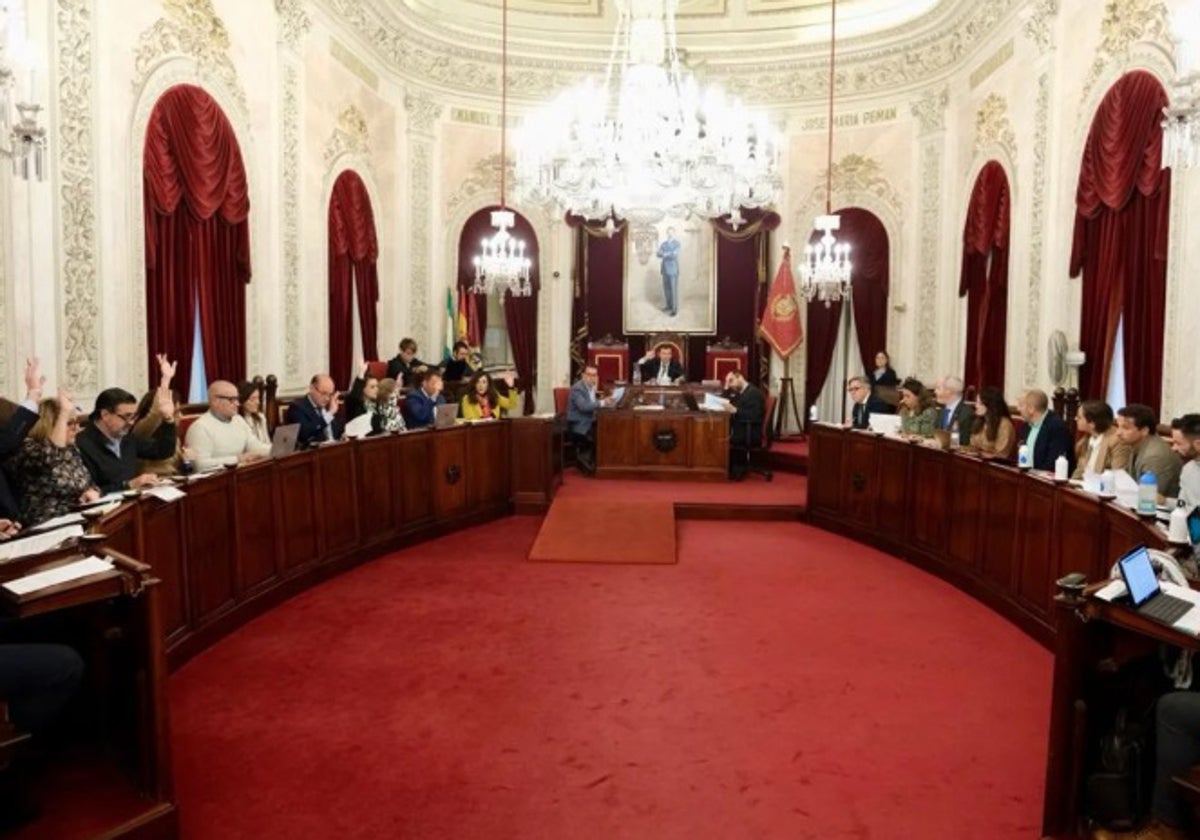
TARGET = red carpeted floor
(581,531)
(779,682)
(783,489)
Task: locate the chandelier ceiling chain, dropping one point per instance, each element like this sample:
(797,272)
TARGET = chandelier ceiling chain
(825,271)
(644,142)
(502,265)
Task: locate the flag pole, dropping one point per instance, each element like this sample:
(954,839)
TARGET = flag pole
(787,397)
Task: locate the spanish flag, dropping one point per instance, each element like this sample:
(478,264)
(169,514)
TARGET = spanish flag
(781,319)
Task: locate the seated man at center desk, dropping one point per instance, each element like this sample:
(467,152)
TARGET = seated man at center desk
(659,366)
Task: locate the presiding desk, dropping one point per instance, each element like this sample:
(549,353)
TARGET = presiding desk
(659,432)
(1004,536)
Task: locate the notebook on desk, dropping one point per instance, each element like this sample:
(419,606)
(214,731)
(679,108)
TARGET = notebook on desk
(884,424)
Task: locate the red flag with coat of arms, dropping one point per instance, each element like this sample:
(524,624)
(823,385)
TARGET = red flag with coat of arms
(780,325)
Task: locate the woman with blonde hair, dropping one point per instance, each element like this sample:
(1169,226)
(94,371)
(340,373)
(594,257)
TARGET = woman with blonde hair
(385,408)
(48,470)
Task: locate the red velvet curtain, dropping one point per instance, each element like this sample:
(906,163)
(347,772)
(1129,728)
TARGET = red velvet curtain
(741,288)
(1120,244)
(984,277)
(520,313)
(353,258)
(869,280)
(196,206)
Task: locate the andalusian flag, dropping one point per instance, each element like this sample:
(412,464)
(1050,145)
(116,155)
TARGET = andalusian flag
(781,319)
(448,350)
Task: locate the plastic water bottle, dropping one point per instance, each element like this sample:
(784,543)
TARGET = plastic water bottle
(1023,456)
(1177,531)
(812,413)
(637,374)
(1062,470)
(1107,483)
(1147,494)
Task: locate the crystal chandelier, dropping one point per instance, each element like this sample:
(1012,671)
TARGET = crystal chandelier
(26,139)
(502,265)
(825,271)
(1181,119)
(647,143)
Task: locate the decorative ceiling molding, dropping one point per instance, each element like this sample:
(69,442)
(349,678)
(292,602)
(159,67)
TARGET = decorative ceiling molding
(993,128)
(1039,26)
(908,56)
(190,28)
(423,112)
(294,23)
(350,136)
(484,177)
(1127,23)
(930,110)
(856,181)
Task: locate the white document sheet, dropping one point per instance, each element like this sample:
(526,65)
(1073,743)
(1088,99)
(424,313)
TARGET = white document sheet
(38,542)
(59,574)
(57,522)
(165,493)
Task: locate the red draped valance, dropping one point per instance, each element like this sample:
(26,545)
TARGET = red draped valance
(353,254)
(984,277)
(351,220)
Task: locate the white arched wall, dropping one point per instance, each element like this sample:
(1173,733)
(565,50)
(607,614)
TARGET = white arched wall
(129,288)
(456,218)
(360,166)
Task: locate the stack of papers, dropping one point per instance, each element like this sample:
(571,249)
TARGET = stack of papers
(59,574)
(38,543)
(56,522)
(165,493)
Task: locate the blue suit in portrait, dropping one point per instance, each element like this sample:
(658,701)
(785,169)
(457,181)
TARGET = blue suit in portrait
(668,252)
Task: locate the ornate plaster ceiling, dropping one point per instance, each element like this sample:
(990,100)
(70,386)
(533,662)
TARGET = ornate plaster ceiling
(765,51)
(707,27)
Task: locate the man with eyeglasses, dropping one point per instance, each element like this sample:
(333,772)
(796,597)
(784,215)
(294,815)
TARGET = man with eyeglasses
(860,395)
(316,414)
(221,436)
(111,453)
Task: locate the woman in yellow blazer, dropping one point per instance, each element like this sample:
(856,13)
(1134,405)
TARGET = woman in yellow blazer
(483,402)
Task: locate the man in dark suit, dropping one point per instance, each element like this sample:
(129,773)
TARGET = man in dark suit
(405,366)
(659,366)
(422,403)
(12,435)
(459,367)
(316,413)
(860,402)
(1044,433)
(745,427)
(111,454)
(955,415)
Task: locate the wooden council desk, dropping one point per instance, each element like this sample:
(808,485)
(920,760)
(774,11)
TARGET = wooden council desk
(657,432)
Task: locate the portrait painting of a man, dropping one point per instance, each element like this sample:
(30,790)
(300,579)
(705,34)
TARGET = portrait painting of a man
(669,277)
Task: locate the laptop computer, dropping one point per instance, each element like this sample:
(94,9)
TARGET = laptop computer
(1145,595)
(445,416)
(284,441)
(884,424)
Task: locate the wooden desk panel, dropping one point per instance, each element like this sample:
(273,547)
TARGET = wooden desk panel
(448,455)
(411,462)
(298,510)
(625,444)
(1001,497)
(163,528)
(255,505)
(380,488)
(211,546)
(338,499)
(1001,535)
(537,462)
(487,453)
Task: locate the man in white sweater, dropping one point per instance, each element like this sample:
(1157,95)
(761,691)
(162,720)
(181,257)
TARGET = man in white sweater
(222,436)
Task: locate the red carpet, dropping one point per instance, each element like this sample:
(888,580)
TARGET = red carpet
(606,531)
(784,489)
(778,682)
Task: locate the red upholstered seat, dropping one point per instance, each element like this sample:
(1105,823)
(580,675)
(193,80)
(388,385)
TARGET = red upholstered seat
(611,358)
(721,357)
(185,423)
(377,369)
(561,395)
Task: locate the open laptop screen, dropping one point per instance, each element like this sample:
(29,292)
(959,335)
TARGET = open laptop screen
(1139,575)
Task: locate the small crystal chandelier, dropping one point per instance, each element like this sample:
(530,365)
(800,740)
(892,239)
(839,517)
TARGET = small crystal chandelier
(26,139)
(502,266)
(825,271)
(1181,119)
(647,143)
